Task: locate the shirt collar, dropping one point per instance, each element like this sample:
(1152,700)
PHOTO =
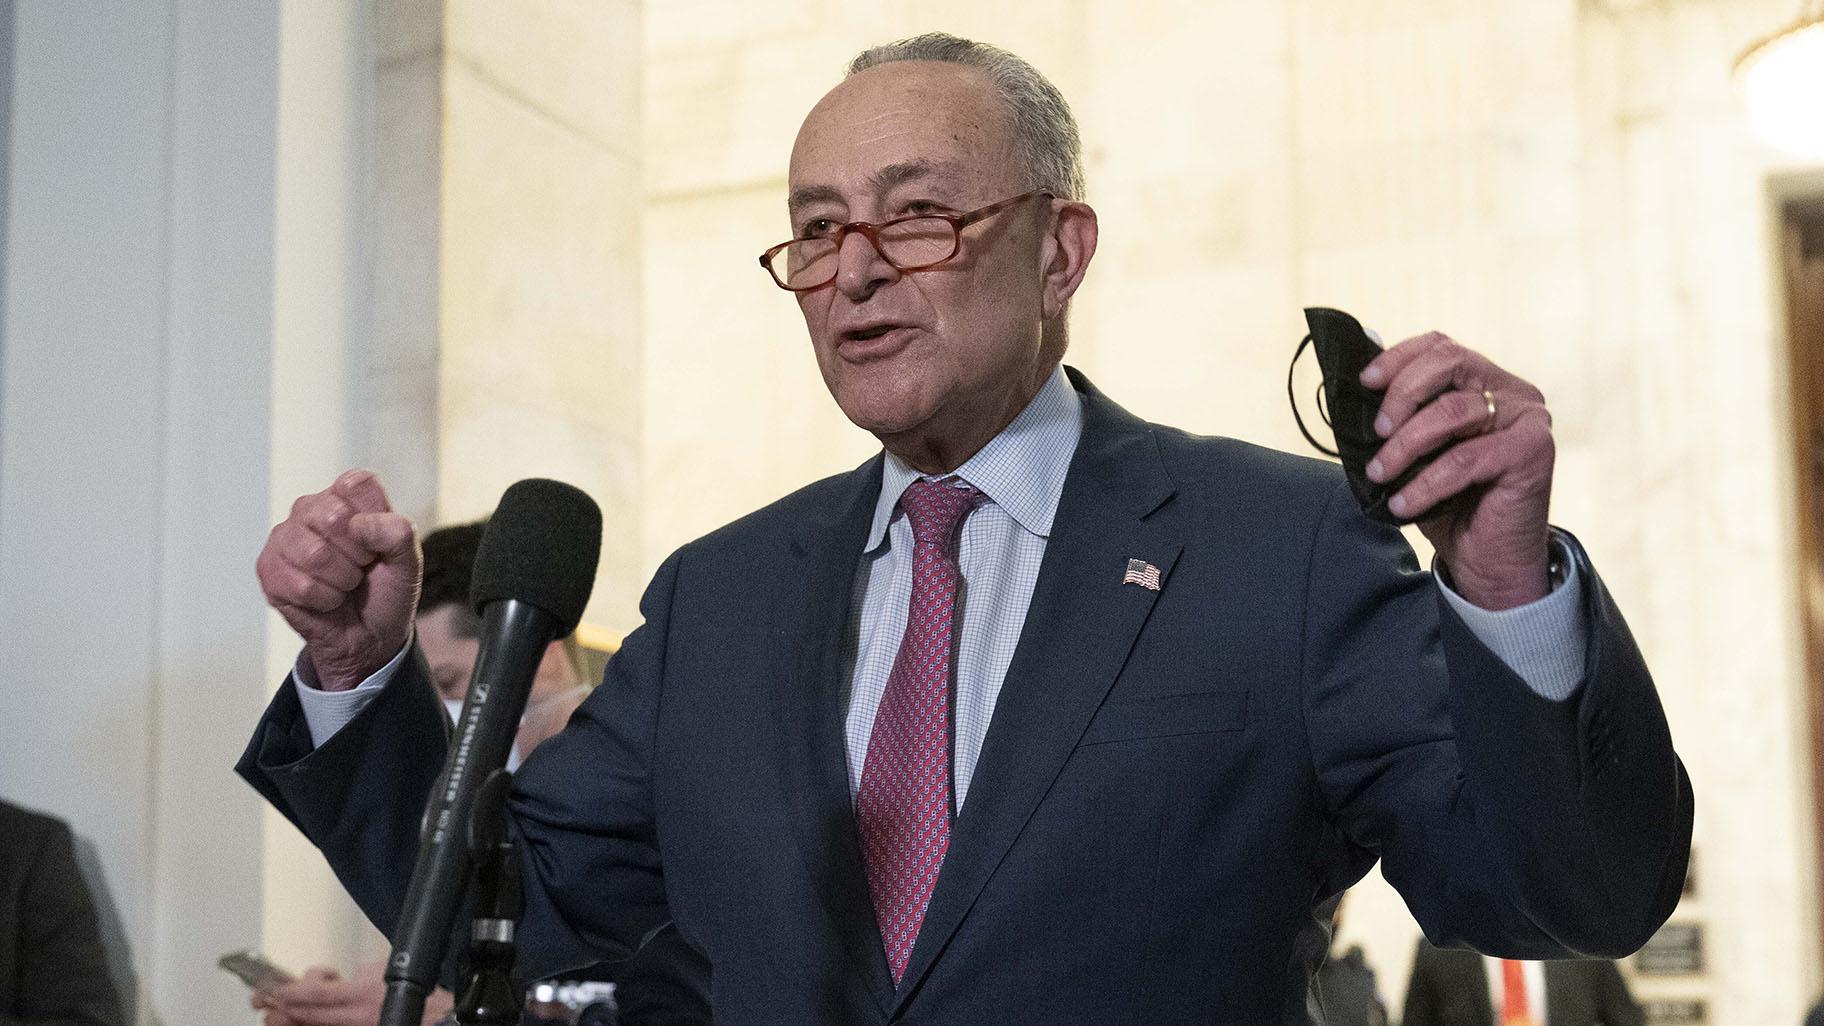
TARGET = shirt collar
(1021,469)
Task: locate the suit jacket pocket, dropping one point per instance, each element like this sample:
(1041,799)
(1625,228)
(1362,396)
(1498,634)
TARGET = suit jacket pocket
(1203,712)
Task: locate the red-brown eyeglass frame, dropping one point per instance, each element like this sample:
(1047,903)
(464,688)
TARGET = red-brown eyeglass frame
(871,232)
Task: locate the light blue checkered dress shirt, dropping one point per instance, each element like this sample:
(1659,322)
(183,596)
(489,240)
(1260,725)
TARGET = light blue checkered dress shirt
(1021,471)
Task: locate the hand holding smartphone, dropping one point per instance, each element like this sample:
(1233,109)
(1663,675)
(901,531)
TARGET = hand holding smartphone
(254,970)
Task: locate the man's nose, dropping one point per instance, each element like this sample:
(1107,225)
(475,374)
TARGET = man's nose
(860,267)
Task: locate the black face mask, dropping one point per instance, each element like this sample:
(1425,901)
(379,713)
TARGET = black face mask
(1348,406)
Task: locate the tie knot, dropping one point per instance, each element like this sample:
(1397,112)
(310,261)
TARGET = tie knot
(935,508)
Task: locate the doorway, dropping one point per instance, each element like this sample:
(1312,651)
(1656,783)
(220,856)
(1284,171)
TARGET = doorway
(1802,267)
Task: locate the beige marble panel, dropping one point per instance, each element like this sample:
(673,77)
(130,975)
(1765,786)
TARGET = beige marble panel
(539,364)
(736,413)
(727,104)
(576,62)
(398,380)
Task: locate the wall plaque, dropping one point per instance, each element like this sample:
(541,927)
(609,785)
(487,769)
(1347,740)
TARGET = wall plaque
(1675,1012)
(1676,950)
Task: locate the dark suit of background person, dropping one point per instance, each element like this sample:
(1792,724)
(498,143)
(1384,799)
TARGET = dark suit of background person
(1173,780)
(1816,1018)
(1344,992)
(53,970)
(1449,987)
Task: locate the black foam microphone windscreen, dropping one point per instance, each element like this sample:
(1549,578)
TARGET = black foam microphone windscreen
(541,547)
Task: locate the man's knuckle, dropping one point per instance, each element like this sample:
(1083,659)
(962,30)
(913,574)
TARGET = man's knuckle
(1462,407)
(313,552)
(1544,447)
(325,597)
(297,583)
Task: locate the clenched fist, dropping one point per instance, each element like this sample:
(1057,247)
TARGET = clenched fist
(344,571)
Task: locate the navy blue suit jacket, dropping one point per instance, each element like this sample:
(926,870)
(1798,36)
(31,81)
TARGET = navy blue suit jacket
(1172,786)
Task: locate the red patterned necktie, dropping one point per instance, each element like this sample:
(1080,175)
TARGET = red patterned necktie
(902,808)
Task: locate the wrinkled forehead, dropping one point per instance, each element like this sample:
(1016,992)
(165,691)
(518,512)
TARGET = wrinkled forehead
(863,134)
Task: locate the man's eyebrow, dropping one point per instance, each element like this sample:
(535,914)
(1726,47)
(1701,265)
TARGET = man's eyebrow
(945,171)
(942,171)
(812,194)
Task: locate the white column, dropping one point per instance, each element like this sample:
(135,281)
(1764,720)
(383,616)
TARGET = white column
(210,634)
(81,433)
(187,295)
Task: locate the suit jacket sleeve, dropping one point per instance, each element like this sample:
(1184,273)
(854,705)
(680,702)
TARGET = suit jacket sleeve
(582,808)
(1510,823)
(581,805)
(359,796)
(63,973)
(665,984)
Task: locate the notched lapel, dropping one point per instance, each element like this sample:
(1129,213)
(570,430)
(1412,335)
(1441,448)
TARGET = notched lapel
(1079,629)
(811,610)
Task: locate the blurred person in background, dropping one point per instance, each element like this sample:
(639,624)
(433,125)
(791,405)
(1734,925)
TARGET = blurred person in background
(1458,987)
(449,632)
(53,966)
(665,984)
(1816,1018)
(1343,990)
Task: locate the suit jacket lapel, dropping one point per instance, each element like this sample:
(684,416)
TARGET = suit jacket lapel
(1079,629)
(811,607)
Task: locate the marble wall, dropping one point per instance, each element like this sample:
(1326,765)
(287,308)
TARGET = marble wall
(1570,186)
(539,362)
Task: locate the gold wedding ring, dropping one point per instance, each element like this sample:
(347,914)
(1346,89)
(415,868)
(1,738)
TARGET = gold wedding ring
(1488,422)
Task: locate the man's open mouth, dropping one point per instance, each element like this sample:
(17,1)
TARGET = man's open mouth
(865,334)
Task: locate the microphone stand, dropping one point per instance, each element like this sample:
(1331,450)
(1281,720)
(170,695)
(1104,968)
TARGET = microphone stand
(489,998)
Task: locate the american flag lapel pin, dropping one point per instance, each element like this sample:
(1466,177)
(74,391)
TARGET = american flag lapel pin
(1140,572)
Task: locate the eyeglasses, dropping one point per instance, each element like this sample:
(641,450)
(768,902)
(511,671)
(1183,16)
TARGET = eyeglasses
(916,243)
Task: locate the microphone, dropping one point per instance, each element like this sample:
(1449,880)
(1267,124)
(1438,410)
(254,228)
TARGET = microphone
(532,577)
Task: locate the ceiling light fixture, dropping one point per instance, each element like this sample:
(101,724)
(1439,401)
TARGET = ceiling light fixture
(1782,79)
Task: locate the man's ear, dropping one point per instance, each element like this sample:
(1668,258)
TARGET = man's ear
(1073,243)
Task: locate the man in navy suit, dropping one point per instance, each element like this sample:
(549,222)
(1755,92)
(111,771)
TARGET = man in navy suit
(1045,714)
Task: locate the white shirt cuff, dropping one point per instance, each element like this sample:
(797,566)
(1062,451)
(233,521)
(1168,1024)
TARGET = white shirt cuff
(326,712)
(1544,642)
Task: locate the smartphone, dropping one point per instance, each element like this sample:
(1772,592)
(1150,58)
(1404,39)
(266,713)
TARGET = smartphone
(254,970)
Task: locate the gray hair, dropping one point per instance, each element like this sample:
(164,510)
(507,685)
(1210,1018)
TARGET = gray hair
(1044,130)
